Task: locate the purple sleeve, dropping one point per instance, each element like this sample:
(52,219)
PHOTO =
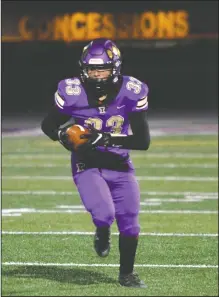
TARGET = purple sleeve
(136,93)
(141,100)
(67,94)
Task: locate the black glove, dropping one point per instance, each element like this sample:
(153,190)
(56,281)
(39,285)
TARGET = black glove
(63,139)
(95,138)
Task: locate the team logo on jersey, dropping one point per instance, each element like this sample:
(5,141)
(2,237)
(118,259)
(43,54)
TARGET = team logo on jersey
(102,109)
(80,167)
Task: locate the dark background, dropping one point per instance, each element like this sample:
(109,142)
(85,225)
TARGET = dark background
(182,77)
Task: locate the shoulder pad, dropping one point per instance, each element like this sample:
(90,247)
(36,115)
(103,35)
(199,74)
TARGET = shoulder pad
(68,93)
(135,88)
(137,93)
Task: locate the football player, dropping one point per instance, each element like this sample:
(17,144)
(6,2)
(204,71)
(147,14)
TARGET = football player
(114,106)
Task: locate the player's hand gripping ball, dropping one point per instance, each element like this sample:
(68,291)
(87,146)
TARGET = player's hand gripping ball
(74,132)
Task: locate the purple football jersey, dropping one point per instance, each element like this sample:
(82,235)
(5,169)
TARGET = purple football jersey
(71,99)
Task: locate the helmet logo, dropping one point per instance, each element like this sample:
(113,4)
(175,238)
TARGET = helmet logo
(109,53)
(116,51)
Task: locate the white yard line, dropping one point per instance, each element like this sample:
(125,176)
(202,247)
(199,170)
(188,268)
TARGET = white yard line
(152,165)
(140,178)
(12,215)
(174,155)
(184,200)
(152,193)
(163,200)
(173,165)
(152,201)
(106,265)
(113,233)
(178,178)
(50,156)
(156,211)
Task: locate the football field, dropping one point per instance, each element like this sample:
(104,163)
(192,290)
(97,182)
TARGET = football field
(47,236)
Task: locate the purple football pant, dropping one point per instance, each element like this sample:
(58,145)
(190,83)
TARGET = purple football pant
(109,195)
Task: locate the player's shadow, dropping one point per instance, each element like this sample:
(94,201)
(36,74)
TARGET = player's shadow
(77,276)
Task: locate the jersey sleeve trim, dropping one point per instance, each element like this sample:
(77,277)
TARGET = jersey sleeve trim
(59,101)
(142,103)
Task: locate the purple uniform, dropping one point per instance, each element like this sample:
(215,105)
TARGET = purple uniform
(114,108)
(71,99)
(106,194)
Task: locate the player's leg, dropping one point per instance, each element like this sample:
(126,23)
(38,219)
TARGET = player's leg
(97,199)
(126,196)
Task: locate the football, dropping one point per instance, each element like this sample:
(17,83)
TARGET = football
(74,132)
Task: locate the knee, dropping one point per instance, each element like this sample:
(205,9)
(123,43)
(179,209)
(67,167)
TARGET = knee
(130,231)
(103,218)
(128,225)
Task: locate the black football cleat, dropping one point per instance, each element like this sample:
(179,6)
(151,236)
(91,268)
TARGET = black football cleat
(102,241)
(131,280)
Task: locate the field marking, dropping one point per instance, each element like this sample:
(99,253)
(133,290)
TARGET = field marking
(11,215)
(183,200)
(47,211)
(140,178)
(152,193)
(38,155)
(105,265)
(152,165)
(178,178)
(198,130)
(113,233)
(156,142)
(154,201)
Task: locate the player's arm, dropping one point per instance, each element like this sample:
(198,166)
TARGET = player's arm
(140,139)
(52,122)
(56,122)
